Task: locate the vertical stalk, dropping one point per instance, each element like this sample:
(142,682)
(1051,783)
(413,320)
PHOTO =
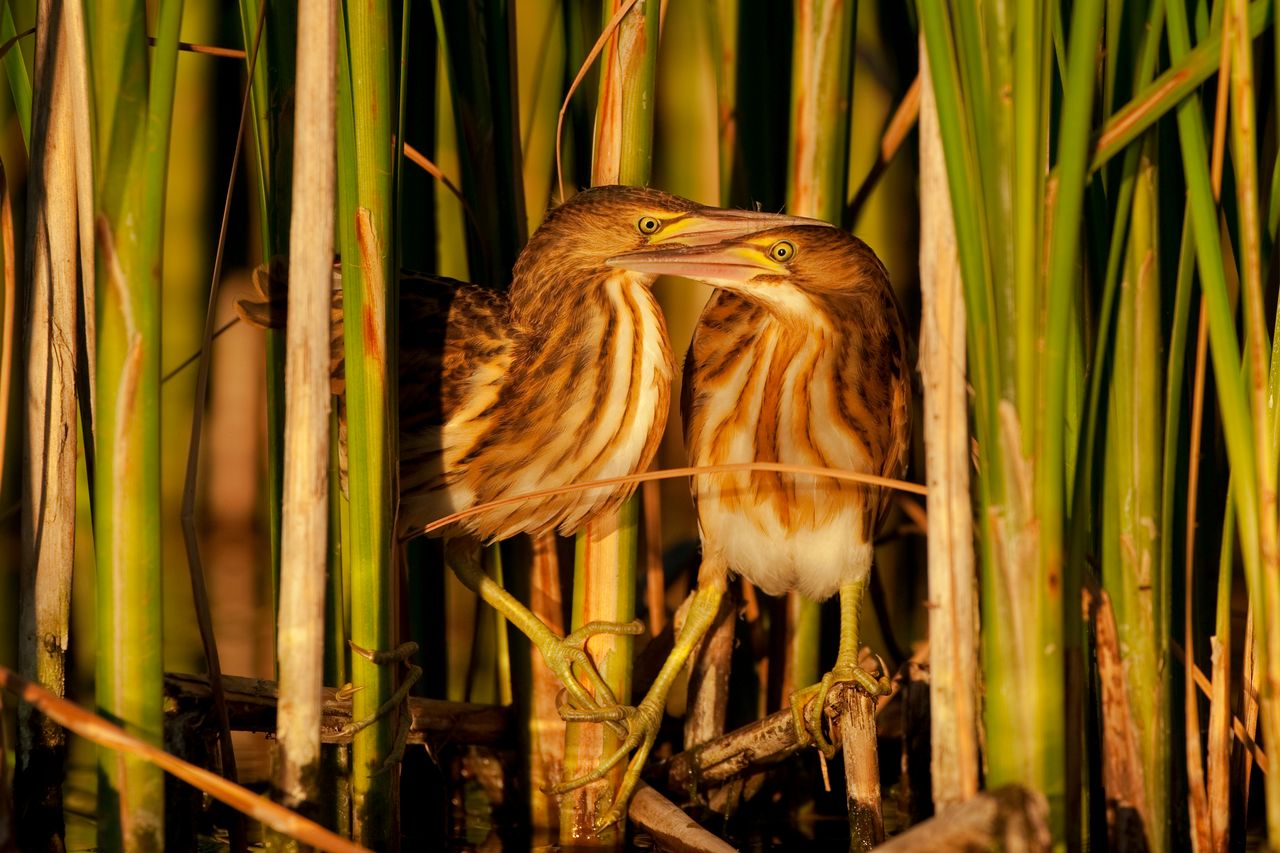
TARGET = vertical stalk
(369,289)
(1233,397)
(1130,516)
(606,555)
(817,177)
(49,449)
(952,602)
(1245,165)
(304,542)
(271,90)
(132,108)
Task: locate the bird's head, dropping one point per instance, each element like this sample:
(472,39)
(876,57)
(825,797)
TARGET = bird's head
(574,244)
(786,269)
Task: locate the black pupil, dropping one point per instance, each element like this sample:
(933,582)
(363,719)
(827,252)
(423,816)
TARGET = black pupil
(649,225)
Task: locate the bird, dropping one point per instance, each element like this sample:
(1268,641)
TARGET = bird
(562,378)
(799,357)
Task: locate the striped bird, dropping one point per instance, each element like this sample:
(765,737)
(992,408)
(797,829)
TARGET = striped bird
(564,378)
(800,357)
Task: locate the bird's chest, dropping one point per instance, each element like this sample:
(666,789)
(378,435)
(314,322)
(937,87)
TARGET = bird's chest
(773,402)
(623,394)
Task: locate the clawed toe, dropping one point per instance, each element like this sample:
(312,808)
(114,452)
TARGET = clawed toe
(808,705)
(400,654)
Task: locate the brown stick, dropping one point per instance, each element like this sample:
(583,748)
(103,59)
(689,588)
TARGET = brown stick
(671,828)
(99,731)
(251,707)
(1010,818)
(709,677)
(861,770)
(759,744)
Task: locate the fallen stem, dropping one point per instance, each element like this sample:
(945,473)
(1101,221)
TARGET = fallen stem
(93,728)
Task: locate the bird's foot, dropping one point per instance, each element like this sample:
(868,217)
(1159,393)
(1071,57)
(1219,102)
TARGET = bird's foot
(642,724)
(400,654)
(808,704)
(562,656)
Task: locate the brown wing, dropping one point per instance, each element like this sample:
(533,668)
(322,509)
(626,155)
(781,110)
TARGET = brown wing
(884,388)
(448,329)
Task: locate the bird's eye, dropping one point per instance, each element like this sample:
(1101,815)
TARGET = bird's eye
(782,251)
(648,225)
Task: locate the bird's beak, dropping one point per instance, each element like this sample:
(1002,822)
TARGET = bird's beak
(735,263)
(710,225)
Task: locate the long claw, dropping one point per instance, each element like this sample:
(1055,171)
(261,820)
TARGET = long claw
(578,638)
(400,654)
(642,724)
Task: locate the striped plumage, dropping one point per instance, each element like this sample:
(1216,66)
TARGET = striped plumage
(810,374)
(561,379)
(800,357)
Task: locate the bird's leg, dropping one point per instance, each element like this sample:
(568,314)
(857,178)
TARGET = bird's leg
(814,698)
(644,720)
(400,654)
(560,654)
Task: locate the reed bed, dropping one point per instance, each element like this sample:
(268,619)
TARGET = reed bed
(1078,607)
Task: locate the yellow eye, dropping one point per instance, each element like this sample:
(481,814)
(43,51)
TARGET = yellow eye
(648,225)
(782,251)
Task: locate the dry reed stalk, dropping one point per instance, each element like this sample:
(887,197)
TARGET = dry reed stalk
(1011,818)
(952,604)
(709,676)
(655,580)
(546,728)
(103,733)
(671,827)
(1122,770)
(304,537)
(49,451)
(861,769)
(756,745)
(252,704)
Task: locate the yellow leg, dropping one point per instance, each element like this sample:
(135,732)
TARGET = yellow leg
(560,654)
(807,704)
(644,720)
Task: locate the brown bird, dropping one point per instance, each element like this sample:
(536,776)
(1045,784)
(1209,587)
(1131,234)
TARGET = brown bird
(799,357)
(561,379)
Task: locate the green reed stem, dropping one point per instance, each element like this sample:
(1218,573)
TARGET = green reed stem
(370,289)
(133,108)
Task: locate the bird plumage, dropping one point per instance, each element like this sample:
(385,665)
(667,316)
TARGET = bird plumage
(814,377)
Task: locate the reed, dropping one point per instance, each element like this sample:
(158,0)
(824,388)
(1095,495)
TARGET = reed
(49,463)
(606,553)
(132,101)
(367,237)
(304,546)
